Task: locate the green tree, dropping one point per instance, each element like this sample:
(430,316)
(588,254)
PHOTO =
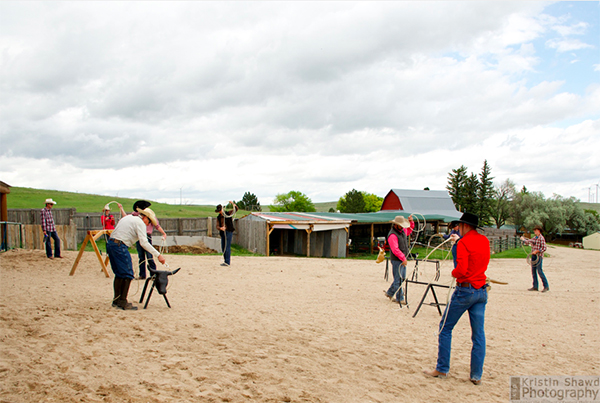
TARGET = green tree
(528,210)
(249,202)
(292,201)
(502,202)
(352,202)
(372,202)
(456,186)
(485,193)
(470,189)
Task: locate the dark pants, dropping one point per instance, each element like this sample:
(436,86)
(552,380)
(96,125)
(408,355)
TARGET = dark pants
(223,241)
(143,254)
(227,254)
(120,259)
(54,236)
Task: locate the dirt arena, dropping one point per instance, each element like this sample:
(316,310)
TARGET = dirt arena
(280,330)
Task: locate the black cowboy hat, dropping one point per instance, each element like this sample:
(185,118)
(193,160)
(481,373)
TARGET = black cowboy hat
(218,209)
(468,218)
(141,204)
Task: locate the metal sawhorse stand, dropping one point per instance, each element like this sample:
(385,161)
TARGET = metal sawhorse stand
(153,279)
(430,286)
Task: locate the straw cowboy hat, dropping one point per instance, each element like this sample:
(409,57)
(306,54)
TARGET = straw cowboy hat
(148,213)
(50,201)
(401,221)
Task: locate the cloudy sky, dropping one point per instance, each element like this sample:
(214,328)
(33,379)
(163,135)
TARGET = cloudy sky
(199,102)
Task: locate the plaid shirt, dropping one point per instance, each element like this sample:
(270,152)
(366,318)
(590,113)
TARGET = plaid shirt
(47,221)
(537,243)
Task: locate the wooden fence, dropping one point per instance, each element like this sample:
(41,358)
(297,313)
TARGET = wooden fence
(83,222)
(28,236)
(507,243)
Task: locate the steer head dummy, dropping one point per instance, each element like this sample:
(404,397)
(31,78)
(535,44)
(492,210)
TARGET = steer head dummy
(162,279)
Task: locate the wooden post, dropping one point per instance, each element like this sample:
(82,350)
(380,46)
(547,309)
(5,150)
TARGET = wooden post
(92,236)
(308,232)
(269,230)
(372,236)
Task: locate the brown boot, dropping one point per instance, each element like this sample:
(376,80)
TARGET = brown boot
(123,304)
(117,284)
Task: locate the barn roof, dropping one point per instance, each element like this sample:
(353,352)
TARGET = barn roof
(426,202)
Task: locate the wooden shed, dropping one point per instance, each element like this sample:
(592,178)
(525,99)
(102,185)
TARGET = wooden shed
(4,191)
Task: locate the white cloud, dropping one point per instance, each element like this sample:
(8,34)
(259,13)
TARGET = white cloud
(222,98)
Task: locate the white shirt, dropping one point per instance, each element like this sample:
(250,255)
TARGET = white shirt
(131,229)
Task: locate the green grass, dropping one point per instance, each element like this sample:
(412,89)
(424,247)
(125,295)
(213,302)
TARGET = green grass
(26,198)
(517,253)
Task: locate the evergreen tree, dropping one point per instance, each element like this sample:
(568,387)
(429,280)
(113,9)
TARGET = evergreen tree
(456,187)
(485,193)
(470,199)
(352,202)
(249,202)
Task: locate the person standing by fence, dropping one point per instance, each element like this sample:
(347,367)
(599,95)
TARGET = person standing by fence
(50,230)
(538,247)
(108,220)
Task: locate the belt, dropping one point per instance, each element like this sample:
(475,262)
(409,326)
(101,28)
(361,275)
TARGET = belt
(116,241)
(466,285)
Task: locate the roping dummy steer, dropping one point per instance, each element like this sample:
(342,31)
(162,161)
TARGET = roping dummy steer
(160,279)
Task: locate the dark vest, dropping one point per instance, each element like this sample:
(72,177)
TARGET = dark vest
(402,243)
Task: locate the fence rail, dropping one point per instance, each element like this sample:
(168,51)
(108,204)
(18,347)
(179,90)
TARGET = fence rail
(501,244)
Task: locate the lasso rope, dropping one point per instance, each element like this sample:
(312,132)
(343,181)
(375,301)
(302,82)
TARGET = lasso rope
(232,209)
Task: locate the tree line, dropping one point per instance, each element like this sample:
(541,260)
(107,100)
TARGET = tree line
(503,204)
(475,193)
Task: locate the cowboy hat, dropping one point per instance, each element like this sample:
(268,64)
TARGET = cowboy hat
(539,228)
(401,221)
(218,209)
(469,219)
(50,201)
(141,204)
(148,213)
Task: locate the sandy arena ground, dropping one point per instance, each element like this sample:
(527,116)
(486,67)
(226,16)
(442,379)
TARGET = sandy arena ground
(280,330)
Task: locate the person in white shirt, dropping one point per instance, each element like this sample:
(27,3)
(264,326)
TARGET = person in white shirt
(129,230)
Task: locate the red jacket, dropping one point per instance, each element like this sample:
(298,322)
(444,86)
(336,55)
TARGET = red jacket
(108,222)
(472,259)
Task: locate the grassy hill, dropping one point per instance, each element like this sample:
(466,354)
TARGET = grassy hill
(20,197)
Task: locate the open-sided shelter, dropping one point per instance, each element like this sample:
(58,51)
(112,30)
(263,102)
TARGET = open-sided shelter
(308,234)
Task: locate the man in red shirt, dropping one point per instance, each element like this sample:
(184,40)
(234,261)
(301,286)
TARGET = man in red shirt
(472,259)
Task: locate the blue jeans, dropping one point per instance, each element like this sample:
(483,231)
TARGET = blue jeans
(120,259)
(227,254)
(54,236)
(223,241)
(399,274)
(144,255)
(536,268)
(474,301)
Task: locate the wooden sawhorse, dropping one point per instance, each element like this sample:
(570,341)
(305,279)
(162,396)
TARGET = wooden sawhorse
(91,237)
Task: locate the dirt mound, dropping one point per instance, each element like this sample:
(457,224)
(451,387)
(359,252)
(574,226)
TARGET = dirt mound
(193,249)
